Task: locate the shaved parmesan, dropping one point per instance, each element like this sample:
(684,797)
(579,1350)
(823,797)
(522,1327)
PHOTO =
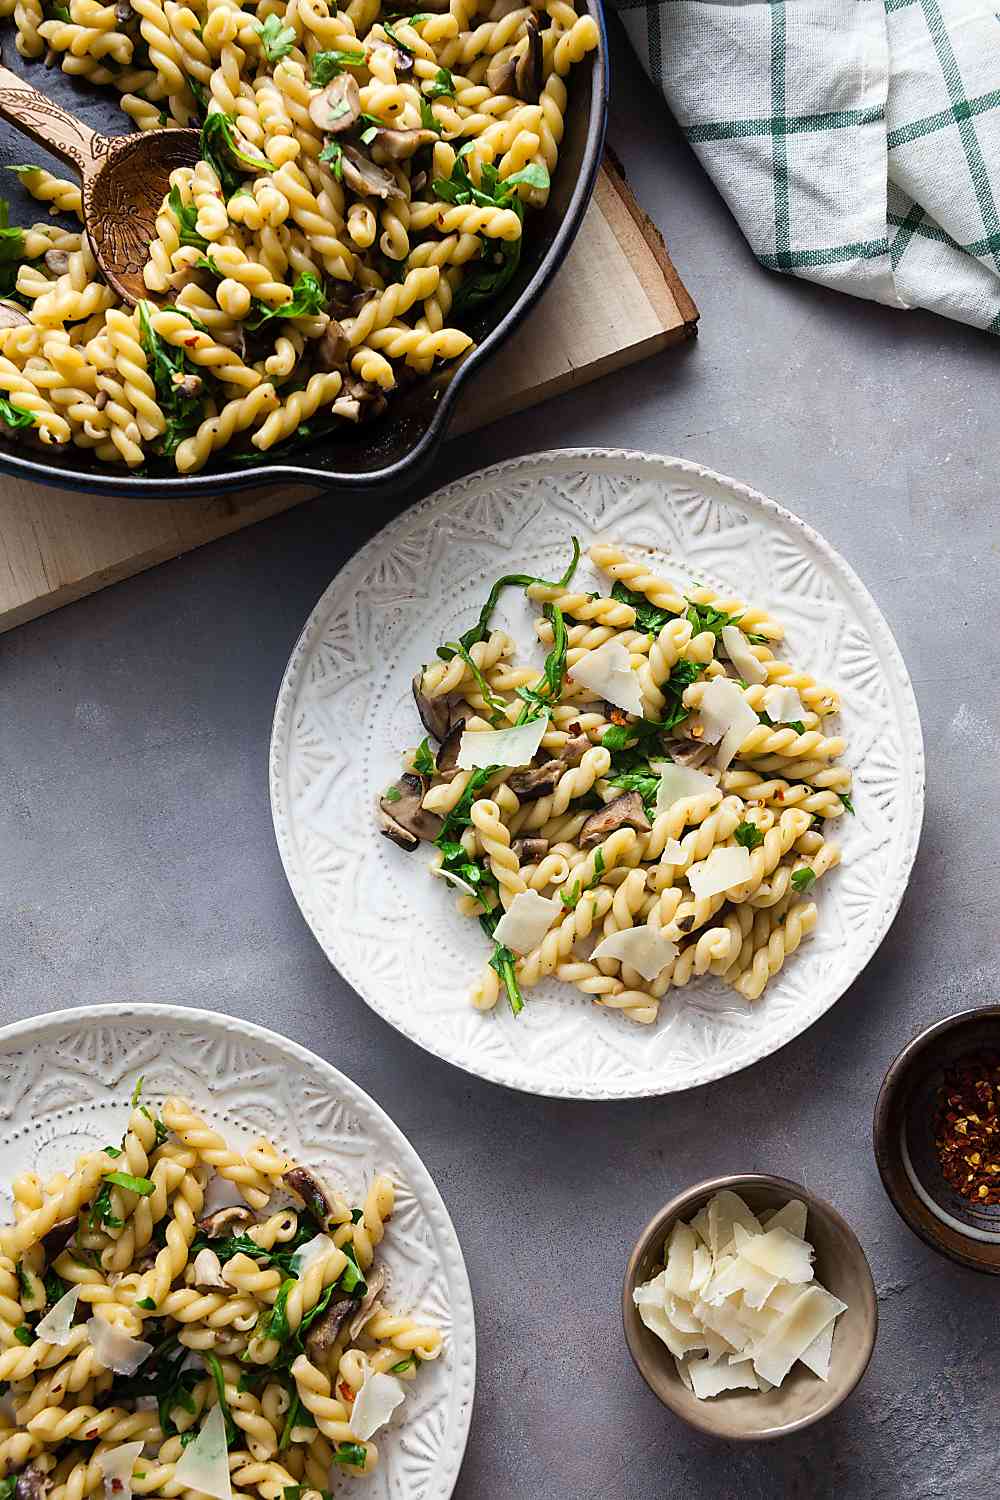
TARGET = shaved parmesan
(116,1465)
(115,1349)
(204,1464)
(608,674)
(318,1248)
(676,783)
(55,1327)
(673,853)
(735,1303)
(781,1255)
(708,1379)
(739,653)
(726,717)
(480,748)
(783,704)
(642,948)
(526,921)
(723,868)
(374,1405)
(680,1249)
(792,1334)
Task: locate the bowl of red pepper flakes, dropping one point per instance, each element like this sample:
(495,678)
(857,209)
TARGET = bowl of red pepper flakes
(937,1137)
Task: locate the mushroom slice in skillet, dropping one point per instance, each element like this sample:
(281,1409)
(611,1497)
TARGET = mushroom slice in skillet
(363,176)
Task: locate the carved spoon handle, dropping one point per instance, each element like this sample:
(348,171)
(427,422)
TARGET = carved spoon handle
(48,125)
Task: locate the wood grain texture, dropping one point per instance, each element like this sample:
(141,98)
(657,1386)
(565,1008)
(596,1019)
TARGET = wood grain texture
(617,300)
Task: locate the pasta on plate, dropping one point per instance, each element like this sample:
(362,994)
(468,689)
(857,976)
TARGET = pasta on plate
(650,808)
(364,188)
(152,1342)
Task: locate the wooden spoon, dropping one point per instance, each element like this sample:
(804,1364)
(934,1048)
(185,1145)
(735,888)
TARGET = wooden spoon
(124,178)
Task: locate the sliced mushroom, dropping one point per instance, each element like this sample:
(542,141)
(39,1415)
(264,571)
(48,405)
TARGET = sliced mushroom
(188,385)
(348,407)
(31,1485)
(364,177)
(403,819)
(417,182)
(375,1283)
(536,781)
(337,107)
(399,145)
(690,752)
(501,74)
(324,1205)
(225,1221)
(325,1332)
(447,756)
(574,749)
(207,1270)
(56,261)
(529,73)
(58,1237)
(333,348)
(100,400)
(12,316)
(124,13)
(435,713)
(370,398)
(528,851)
(625,811)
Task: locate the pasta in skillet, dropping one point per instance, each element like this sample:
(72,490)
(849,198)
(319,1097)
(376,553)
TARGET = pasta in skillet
(152,1345)
(362,194)
(647,810)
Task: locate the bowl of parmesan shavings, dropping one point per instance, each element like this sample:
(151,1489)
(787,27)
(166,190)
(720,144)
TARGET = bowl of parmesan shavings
(749,1307)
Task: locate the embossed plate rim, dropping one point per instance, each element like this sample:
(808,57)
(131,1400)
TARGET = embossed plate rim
(627,463)
(461,1396)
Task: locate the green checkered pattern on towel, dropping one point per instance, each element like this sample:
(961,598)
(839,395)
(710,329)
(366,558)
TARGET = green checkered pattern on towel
(857,142)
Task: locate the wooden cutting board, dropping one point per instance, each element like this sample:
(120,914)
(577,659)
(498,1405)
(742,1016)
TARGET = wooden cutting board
(618,299)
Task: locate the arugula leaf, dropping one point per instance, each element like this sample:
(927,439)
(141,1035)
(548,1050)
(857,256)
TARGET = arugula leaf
(409,1363)
(428,118)
(443,85)
(500,261)
(168,366)
(351,1281)
(161,1130)
(480,631)
(748,835)
(325,65)
(423,758)
(23,1283)
(548,689)
(24,1334)
(291,1492)
(571,898)
(702,617)
(59,12)
(201,96)
(214,1368)
(55,1288)
(162,1377)
(387,27)
(13,415)
(479,875)
(459,816)
(333,154)
(308,299)
(276,40)
(367,136)
(140,1185)
(646,783)
(350,1455)
(137,1090)
(277,1327)
(391,794)
(647,616)
(187,217)
(496,705)
(100,1212)
(147,1304)
(503,962)
(11,250)
(803,879)
(848,804)
(7,1487)
(221,148)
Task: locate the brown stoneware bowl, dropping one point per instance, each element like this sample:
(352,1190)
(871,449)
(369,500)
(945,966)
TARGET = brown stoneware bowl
(802,1398)
(903,1137)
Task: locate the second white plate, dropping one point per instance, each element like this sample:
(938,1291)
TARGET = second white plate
(345,711)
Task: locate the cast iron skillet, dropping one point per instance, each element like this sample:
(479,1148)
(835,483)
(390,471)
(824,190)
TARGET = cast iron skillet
(380,458)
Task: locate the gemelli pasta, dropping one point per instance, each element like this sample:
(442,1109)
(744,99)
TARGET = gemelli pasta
(365,184)
(647,808)
(151,1344)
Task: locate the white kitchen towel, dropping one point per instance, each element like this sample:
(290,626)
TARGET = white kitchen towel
(857,142)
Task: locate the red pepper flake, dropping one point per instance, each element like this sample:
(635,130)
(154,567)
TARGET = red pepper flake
(967,1127)
(344,1391)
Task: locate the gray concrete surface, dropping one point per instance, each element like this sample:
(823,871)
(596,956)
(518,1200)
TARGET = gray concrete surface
(137,861)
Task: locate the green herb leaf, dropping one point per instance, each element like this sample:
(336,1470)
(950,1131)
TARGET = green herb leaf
(423,758)
(333,154)
(221,147)
(100,1212)
(571,898)
(503,962)
(277,1327)
(276,40)
(308,299)
(428,119)
(55,1288)
(168,367)
(646,783)
(647,616)
(443,85)
(13,415)
(409,1363)
(391,794)
(214,1368)
(387,27)
(848,804)
(480,631)
(702,617)
(7,1487)
(350,1455)
(11,250)
(548,689)
(533,175)
(325,65)
(147,1304)
(459,817)
(140,1185)
(803,879)
(496,705)
(499,263)
(367,136)
(748,834)
(24,1334)
(112,1151)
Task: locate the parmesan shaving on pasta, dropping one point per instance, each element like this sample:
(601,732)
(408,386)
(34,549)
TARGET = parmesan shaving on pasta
(742,657)
(526,921)
(374,1404)
(117,1465)
(57,1324)
(318,1248)
(115,1349)
(204,1464)
(481,748)
(726,718)
(677,782)
(731,1303)
(607,673)
(722,869)
(641,948)
(783,705)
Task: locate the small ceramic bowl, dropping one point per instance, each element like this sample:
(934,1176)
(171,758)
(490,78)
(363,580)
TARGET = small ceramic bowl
(903,1137)
(802,1398)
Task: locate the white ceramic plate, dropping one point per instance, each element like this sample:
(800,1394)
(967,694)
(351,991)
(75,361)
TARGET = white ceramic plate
(345,711)
(67,1080)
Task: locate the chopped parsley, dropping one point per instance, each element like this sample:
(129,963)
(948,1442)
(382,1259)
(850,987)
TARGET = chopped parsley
(803,879)
(571,898)
(333,154)
(101,1213)
(221,147)
(848,804)
(276,40)
(442,86)
(325,65)
(748,834)
(423,758)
